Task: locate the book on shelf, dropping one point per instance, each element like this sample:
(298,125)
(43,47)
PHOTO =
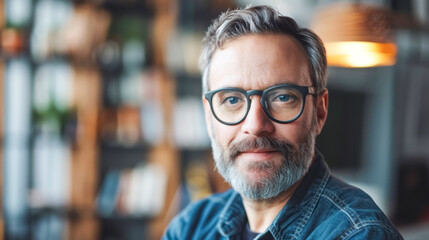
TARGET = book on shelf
(136,192)
(51,171)
(108,196)
(189,125)
(152,195)
(152,120)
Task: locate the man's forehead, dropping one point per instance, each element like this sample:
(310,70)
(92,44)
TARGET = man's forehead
(259,61)
(252,84)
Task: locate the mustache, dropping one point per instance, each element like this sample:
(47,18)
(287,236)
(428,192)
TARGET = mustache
(266,142)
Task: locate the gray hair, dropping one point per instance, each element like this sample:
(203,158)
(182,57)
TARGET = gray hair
(261,20)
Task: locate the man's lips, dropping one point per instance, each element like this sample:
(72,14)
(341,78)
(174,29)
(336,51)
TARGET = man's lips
(259,151)
(258,154)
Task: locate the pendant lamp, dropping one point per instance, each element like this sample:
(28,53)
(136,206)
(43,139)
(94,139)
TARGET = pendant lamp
(356,35)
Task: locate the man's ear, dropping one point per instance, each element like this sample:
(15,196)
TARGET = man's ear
(208,117)
(322,109)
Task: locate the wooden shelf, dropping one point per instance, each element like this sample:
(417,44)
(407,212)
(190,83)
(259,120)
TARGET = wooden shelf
(1,143)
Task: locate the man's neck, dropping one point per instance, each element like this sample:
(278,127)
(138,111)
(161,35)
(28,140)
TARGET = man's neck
(261,213)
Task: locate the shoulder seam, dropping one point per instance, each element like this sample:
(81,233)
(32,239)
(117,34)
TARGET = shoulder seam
(341,208)
(357,223)
(353,230)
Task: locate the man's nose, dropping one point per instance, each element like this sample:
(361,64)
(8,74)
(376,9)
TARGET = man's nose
(257,122)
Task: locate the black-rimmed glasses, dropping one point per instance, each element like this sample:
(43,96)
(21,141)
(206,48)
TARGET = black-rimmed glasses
(282,103)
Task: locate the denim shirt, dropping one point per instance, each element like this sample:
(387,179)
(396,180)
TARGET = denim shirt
(322,207)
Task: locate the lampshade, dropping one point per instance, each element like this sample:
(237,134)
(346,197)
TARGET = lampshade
(356,35)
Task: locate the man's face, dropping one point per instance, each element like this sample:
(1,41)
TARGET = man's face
(258,157)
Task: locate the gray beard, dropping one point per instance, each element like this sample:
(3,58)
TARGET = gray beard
(294,165)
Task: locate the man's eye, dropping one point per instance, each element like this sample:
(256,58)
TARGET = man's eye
(284,98)
(231,100)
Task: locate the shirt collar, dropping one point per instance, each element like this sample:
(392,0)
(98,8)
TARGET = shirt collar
(233,216)
(297,211)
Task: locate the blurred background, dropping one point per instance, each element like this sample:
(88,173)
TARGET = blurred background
(102,133)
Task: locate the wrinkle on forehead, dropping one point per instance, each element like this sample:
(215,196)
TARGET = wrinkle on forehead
(259,61)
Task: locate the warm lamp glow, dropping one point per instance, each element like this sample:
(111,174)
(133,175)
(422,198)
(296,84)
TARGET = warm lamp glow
(356,35)
(360,54)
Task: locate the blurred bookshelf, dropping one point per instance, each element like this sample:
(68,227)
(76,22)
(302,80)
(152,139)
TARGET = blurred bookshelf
(103,133)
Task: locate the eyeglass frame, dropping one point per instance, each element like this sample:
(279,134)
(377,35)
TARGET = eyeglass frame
(304,90)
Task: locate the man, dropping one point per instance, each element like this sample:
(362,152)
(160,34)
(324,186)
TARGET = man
(265,101)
